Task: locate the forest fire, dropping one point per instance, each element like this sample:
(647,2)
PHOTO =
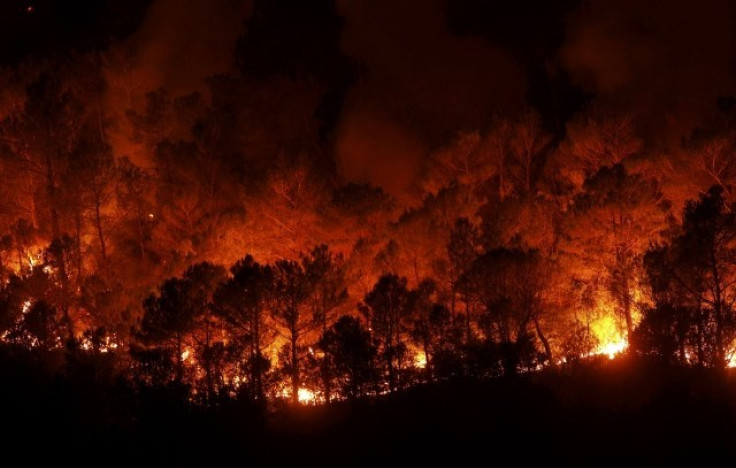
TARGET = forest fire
(241,206)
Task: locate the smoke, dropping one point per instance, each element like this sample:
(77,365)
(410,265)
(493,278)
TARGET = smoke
(178,45)
(670,60)
(375,149)
(419,83)
(182,43)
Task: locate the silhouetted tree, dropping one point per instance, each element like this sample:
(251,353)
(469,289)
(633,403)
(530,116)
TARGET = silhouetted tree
(462,250)
(676,323)
(431,326)
(701,261)
(135,192)
(509,285)
(350,356)
(659,335)
(291,291)
(168,321)
(11,304)
(40,326)
(386,308)
(203,280)
(242,303)
(325,273)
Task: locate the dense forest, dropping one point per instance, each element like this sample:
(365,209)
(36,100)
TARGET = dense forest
(252,242)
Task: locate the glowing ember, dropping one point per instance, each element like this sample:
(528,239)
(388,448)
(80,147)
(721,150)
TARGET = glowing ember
(185,355)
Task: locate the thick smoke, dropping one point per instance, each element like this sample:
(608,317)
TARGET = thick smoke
(668,60)
(418,84)
(178,45)
(182,43)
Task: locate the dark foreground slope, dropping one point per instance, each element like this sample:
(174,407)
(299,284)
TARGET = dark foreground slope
(607,412)
(596,413)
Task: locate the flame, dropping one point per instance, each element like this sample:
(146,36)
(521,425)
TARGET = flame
(612,349)
(731,354)
(306,397)
(611,339)
(34,257)
(420,360)
(108,344)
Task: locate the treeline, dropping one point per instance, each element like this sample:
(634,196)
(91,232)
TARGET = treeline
(261,331)
(211,240)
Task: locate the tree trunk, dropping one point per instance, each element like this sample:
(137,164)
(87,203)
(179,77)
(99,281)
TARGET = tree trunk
(700,337)
(58,250)
(256,357)
(98,225)
(627,310)
(179,359)
(468,336)
(78,242)
(207,358)
(425,345)
(545,341)
(295,383)
(718,311)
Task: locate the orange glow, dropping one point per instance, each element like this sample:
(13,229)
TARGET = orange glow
(34,257)
(307,397)
(420,360)
(304,395)
(611,339)
(730,354)
(612,349)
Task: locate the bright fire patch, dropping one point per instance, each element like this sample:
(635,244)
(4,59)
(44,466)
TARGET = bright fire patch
(611,339)
(306,397)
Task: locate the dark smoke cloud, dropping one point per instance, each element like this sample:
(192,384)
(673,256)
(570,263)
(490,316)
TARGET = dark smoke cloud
(668,59)
(184,42)
(419,82)
(179,45)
